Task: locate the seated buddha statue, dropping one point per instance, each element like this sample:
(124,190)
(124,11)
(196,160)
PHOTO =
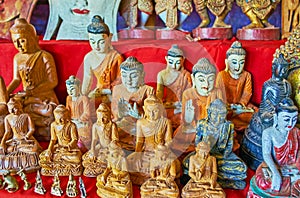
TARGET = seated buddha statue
(163,169)
(151,130)
(128,100)
(115,180)
(19,149)
(79,107)
(104,132)
(219,132)
(203,173)
(278,175)
(35,69)
(171,82)
(62,155)
(236,84)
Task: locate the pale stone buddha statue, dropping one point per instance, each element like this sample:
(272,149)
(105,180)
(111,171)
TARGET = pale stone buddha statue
(63,155)
(232,171)
(115,181)
(36,70)
(79,107)
(102,62)
(3,106)
(163,169)
(104,132)
(278,175)
(171,82)
(19,149)
(236,84)
(203,173)
(128,100)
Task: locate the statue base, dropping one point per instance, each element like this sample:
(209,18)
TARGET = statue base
(170,34)
(136,34)
(212,33)
(258,34)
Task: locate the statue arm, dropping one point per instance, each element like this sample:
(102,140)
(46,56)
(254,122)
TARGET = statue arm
(229,142)
(16,78)
(87,77)
(86,114)
(160,86)
(114,133)
(3,92)
(30,128)
(115,72)
(192,169)
(95,138)
(52,140)
(169,133)
(247,91)
(74,137)
(140,139)
(214,175)
(7,133)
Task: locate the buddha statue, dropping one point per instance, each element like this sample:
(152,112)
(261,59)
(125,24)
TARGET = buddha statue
(62,155)
(203,173)
(273,91)
(35,69)
(102,62)
(104,132)
(232,171)
(55,187)
(71,190)
(236,84)
(19,149)
(79,107)
(128,100)
(278,175)
(3,106)
(258,11)
(171,82)
(115,181)
(163,169)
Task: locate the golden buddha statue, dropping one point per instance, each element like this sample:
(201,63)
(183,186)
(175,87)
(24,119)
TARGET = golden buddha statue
(115,181)
(103,133)
(19,149)
(36,70)
(63,155)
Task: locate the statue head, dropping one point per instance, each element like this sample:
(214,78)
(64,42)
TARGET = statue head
(203,148)
(103,113)
(280,67)
(286,115)
(15,106)
(175,58)
(217,112)
(99,35)
(24,36)
(153,108)
(235,60)
(73,85)
(203,76)
(61,114)
(132,74)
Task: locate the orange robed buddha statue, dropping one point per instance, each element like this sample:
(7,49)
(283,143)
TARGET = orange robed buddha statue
(171,82)
(63,155)
(128,100)
(104,132)
(19,149)
(36,70)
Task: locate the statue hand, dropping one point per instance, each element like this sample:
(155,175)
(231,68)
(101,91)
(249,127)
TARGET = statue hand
(213,180)
(134,112)
(189,111)
(276,182)
(103,180)
(123,107)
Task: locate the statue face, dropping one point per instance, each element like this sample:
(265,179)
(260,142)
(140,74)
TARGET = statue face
(12,108)
(204,83)
(73,90)
(103,116)
(132,79)
(236,65)
(100,43)
(152,112)
(217,117)
(60,118)
(20,42)
(281,71)
(286,120)
(174,62)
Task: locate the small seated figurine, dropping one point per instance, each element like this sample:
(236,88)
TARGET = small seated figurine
(71,190)
(115,181)
(82,189)
(65,156)
(163,174)
(219,132)
(203,173)
(36,70)
(19,149)
(55,188)
(27,184)
(103,133)
(128,100)
(10,182)
(79,107)
(38,186)
(151,130)
(174,79)
(278,175)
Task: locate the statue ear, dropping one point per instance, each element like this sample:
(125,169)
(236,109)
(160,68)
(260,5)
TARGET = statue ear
(193,80)
(275,119)
(226,64)
(166,58)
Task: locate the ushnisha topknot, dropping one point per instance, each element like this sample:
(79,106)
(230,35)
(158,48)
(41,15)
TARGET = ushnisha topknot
(286,105)
(152,99)
(72,80)
(174,51)
(21,26)
(132,63)
(204,66)
(103,108)
(236,48)
(98,26)
(61,109)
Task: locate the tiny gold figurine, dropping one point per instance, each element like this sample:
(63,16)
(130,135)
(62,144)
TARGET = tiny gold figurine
(38,187)
(82,189)
(10,181)
(27,184)
(55,188)
(71,187)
